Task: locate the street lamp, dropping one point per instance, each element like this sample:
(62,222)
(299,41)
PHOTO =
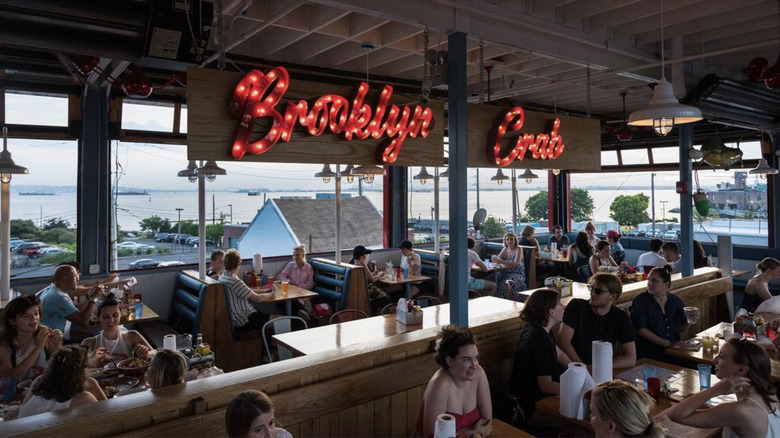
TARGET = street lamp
(7,169)
(178,233)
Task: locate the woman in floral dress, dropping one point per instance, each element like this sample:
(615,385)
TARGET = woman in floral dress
(511,260)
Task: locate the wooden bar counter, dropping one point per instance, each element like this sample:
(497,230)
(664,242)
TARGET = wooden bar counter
(363,390)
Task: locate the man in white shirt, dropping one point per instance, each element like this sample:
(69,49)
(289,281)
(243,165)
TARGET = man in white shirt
(653,258)
(411,261)
(671,254)
(483,287)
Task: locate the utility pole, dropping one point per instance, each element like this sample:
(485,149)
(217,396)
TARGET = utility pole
(231,212)
(663,212)
(652,199)
(179,225)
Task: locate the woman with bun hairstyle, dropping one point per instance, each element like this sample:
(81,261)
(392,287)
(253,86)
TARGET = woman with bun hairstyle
(618,409)
(658,316)
(757,289)
(459,388)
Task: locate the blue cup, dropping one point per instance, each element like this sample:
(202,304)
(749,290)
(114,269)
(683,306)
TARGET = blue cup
(705,375)
(648,372)
(139,310)
(406,273)
(9,389)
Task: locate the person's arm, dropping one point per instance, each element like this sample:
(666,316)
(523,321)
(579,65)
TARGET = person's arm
(435,399)
(83,316)
(687,411)
(593,262)
(628,358)
(484,425)
(285,273)
(55,339)
(547,386)
(6,370)
(498,258)
(612,262)
(83,398)
(654,338)
(138,343)
(759,289)
(563,359)
(414,264)
(565,335)
(92,387)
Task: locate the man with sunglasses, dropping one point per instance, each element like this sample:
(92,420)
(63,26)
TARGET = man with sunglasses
(598,320)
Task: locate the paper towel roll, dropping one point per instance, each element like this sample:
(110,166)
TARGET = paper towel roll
(575,382)
(445,426)
(602,361)
(169,342)
(257,262)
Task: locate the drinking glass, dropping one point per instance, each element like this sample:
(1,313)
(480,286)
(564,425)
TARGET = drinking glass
(647,373)
(654,387)
(285,287)
(9,389)
(705,375)
(691,314)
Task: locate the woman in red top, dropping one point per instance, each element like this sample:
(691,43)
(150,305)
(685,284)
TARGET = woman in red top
(460,388)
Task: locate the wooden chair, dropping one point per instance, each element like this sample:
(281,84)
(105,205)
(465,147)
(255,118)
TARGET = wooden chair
(347,315)
(515,290)
(280,325)
(388,309)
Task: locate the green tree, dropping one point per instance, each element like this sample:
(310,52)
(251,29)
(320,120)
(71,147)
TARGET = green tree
(214,232)
(23,228)
(492,227)
(536,207)
(58,236)
(56,223)
(189,227)
(581,205)
(156,224)
(630,209)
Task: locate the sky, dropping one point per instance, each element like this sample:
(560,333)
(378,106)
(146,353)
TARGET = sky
(154,166)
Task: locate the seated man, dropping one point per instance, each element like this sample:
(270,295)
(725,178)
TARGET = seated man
(559,239)
(248,310)
(653,258)
(598,320)
(616,250)
(483,287)
(411,261)
(300,273)
(217,264)
(57,306)
(671,253)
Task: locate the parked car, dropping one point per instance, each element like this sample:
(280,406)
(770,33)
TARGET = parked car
(171,263)
(671,234)
(28,245)
(35,253)
(196,241)
(144,263)
(191,240)
(134,245)
(181,239)
(14,244)
(161,237)
(51,251)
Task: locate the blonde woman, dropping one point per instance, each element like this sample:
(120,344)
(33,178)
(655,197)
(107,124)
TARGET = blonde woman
(617,409)
(512,268)
(590,230)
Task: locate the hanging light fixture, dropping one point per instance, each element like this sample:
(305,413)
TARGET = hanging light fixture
(368,172)
(326,174)
(763,169)
(664,111)
(500,177)
(7,165)
(190,172)
(347,172)
(529,176)
(445,174)
(423,176)
(211,170)
(555,172)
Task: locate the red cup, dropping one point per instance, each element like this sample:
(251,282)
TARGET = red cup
(654,388)
(565,253)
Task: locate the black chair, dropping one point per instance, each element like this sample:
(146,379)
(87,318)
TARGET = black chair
(427,301)
(584,273)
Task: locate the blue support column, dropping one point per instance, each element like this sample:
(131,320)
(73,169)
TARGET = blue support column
(772,189)
(94,201)
(686,200)
(458,132)
(397,202)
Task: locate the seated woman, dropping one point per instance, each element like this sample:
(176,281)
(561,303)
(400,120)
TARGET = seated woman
(618,409)
(24,342)
(700,257)
(511,260)
(251,414)
(114,341)
(536,372)
(580,253)
(62,385)
(248,310)
(166,368)
(744,369)
(757,289)
(657,316)
(590,231)
(460,388)
(603,258)
(376,295)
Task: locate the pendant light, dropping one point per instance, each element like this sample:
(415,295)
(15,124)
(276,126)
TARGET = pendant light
(529,176)
(423,176)
(664,111)
(326,174)
(500,177)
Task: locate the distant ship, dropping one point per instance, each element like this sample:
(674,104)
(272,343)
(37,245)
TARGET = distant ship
(36,194)
(253,193)
(133,193)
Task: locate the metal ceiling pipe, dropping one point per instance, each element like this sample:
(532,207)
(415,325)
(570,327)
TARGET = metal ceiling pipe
(678,69)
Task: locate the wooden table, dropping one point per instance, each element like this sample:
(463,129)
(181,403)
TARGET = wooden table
(504,430)
(702,356)
(739,272)
(293,293)
(578,290)
(406,282)
(377,328)
(687,384)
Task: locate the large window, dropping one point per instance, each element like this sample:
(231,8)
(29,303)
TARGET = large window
(43,203)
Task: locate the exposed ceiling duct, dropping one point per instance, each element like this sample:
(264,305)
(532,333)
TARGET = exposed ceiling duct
(739,103)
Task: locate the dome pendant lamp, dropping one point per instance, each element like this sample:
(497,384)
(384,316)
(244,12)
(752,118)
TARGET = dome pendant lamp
(664,111)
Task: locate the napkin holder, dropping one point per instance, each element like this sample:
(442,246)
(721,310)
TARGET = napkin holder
(406,317)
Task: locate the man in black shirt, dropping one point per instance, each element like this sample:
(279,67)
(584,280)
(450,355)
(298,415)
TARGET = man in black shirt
(597,320)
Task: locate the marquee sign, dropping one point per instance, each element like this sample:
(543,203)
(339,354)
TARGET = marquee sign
(329,111)
(542,146)
(272,117)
